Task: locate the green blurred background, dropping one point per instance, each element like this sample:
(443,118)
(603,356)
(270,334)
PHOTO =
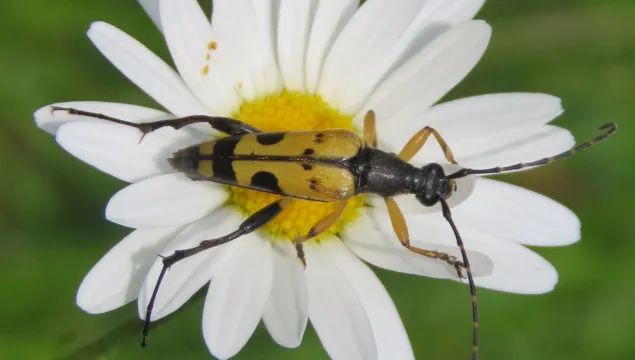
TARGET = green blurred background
(52,228)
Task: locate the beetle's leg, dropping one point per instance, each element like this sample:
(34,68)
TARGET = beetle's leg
(370,131)
(321,226)
(254,222)
(225,125)
(401,230)
(419,139)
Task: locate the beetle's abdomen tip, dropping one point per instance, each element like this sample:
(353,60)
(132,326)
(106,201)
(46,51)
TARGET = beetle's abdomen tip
(184,160)
(175,162)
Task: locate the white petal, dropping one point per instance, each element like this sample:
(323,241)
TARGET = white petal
(516,268)
(237,295)
(185,278)
(50,120)
(152,8)
(189,34)
(254,70)
(509,148)
(116,279)
(510,212)
(267,12)
(364,52)
(430,74)
(481,265)
(287,310)
(145,69)
(483,113)
(388,330)
(330,17)
(366,240)
(470,124)
(335,309)
(371,237)
(435,17)
(115,149)
(294,24)
(164,200)
(452,12)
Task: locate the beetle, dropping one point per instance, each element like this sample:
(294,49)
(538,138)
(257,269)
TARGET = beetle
(331,165)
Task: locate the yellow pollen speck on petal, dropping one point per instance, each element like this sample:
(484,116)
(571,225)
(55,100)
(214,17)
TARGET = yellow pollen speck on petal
(212,45)
(292,111)
(208,56)
(205,69)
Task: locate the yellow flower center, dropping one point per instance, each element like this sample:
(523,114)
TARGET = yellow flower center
(291,111)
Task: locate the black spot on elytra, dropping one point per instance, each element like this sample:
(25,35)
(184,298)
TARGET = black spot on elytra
(224,148)
(307,167)
(269,138)
(313,184)
(222,163)
(319,138)
(308,151)
(266,181)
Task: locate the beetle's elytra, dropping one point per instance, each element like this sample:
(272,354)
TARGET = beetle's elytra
(322,165)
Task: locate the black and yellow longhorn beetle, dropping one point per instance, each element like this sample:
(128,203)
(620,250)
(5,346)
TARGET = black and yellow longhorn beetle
(321,165)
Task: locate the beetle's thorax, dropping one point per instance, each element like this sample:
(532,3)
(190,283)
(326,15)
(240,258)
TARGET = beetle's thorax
(383,174)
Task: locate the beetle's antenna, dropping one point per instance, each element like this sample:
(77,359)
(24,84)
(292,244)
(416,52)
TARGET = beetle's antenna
(146,322)
(459,242)
(609,128)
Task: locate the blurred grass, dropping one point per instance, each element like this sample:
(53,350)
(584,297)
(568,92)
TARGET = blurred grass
(51,205)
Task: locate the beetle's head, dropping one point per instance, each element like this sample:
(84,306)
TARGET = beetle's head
(431,184)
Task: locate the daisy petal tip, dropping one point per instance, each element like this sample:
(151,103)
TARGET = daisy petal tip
(97,25)
(290,343)
(571,229)
(479,29)
(556,100)
(90,302)
(546,102)
(92,308)
(482,25)
(100,29)
(546,282)
(576,233)
(87,308)
(43,120)
(82,299)
(164,200)
(217,349)
(49,120)
(286,336)
(113,213)
(43,111)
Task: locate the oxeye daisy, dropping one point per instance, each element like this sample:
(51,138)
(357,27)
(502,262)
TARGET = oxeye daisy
(309,65)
